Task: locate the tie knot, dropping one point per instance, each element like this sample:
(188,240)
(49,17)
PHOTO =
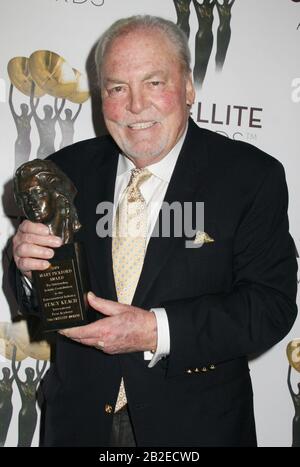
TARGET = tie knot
(138,177)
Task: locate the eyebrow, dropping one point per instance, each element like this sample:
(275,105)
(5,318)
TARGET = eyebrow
(155,73)
(114,81)
(145,78)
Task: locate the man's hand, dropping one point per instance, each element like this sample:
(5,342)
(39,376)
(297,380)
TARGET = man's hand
(125,329)
(32,246)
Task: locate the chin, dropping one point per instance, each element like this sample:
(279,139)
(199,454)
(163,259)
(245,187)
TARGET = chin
(144,153)
(39,218)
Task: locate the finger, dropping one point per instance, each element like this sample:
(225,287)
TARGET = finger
(42,240)
(90,331)
(33,227)
(29,250)
(30,264)
(97,344)
(107,307)
(93,342)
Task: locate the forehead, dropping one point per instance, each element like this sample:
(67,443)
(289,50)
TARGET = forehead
(27,183)
(140,49)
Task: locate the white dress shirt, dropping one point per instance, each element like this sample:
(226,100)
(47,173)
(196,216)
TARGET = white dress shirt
(153,191)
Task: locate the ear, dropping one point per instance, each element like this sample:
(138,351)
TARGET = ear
(190,90)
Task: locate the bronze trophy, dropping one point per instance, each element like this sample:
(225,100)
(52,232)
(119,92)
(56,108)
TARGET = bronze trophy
(45,194)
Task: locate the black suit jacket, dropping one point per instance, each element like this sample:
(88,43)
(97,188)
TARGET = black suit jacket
(225,300)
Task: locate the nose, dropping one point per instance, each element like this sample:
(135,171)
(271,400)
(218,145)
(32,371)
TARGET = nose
(32,202)
(137,101)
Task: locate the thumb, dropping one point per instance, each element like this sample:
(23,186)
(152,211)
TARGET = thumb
(106,307)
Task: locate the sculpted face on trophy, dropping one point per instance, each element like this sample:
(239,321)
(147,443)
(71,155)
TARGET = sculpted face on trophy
(46,195)
(38,203)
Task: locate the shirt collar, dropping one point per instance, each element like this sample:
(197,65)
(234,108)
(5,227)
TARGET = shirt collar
(162,169)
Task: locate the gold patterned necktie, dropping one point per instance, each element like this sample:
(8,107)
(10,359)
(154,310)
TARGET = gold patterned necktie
(129,245)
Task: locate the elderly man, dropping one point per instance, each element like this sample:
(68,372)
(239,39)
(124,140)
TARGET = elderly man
(195,313)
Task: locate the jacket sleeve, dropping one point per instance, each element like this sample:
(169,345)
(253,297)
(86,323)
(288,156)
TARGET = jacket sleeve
(260,308)
(27,302)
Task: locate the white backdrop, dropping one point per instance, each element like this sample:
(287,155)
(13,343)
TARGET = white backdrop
(260,77)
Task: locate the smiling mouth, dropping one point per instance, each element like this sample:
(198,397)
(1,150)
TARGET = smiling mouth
(141,125)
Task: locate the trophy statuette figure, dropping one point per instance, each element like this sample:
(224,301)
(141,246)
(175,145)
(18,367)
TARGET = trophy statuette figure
(45,194)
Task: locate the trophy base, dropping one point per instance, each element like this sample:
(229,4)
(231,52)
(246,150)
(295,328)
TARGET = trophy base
(62,289)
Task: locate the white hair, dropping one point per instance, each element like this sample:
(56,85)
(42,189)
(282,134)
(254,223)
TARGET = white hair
(125,25)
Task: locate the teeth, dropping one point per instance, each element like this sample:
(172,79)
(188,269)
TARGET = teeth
(141,126)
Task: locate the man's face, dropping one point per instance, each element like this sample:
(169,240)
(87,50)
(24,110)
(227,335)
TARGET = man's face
(145,95)
(38,203)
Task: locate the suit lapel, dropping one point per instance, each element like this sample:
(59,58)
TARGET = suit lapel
(188,184)
(99,187)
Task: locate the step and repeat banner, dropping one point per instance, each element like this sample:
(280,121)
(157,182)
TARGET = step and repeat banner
(246,66)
